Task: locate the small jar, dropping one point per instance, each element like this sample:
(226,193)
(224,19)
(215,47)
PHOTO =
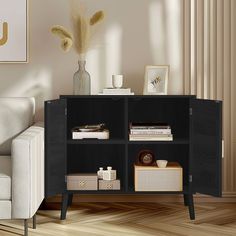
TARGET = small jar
(109,174)
(100,173)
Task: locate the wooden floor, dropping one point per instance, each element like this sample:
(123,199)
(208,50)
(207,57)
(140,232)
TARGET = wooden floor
(105,219)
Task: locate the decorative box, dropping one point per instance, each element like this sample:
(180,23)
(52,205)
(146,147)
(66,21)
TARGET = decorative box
(109,184)
(153,178)
(82,182)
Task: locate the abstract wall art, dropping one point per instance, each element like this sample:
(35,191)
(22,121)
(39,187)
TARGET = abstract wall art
(13,31)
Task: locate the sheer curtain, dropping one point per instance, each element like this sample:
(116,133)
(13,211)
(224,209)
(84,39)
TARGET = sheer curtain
(209,66)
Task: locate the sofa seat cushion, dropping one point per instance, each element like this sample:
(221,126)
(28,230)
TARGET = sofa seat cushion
(5,210)
(5,178)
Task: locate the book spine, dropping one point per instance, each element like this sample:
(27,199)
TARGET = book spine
(116,90)
(150,138)
(152,135)
(150,131)
(116,94)
(83,135)
(151,127)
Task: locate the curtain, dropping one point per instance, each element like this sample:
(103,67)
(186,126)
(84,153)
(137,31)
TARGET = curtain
(209,67)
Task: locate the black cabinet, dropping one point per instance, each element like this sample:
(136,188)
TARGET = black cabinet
(196,127)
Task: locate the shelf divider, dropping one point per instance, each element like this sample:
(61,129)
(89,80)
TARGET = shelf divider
(95,141)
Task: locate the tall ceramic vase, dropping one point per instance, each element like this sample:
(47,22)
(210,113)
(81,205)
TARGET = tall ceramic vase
(81,79)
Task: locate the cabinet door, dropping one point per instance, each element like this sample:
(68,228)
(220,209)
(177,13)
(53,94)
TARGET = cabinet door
(55,147)
(206,146)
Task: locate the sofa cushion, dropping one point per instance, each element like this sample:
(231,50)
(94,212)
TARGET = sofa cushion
(5,210)
(5,177)
(16,115)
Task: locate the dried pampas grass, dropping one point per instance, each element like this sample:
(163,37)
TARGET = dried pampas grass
(97,17)
(81,33)
(66,37)
(66,44)
(82,30)
(61,32)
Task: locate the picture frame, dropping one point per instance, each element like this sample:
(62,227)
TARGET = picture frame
(14,31)
(156,80)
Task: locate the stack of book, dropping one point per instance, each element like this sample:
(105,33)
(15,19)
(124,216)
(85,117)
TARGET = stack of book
(116,91)
(150,132)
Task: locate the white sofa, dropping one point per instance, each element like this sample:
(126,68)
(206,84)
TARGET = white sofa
(21,160)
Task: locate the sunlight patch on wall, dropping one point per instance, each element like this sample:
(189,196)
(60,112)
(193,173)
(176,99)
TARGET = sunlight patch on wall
(157,32)
(174,42)
(113,52)
(165,39)
(37,84)
(94,68)
(33,84)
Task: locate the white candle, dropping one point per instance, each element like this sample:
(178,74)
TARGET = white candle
(117,81)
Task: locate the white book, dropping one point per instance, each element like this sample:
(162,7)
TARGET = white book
(116,90)
(150,138)
(150,131)
(149,127)
(116,94)
(91,135)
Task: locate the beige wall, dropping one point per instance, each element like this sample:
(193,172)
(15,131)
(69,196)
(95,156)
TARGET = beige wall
(136,33)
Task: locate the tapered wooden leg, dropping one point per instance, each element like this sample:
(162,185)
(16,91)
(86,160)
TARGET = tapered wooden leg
(70,199)
(191,207)
(64,205)
(185,199)
(34,221)
(25,227)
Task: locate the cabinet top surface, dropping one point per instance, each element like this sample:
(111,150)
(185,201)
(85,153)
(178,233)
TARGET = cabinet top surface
(128,96)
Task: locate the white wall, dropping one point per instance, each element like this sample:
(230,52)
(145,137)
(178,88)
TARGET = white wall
(136,33)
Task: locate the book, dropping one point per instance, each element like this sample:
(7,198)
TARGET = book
(150,131)
(154,125)
(104,134)
(133,137)
(116,90)
(116,94)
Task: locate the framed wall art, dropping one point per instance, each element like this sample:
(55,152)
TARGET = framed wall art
(13,31)
(156,80)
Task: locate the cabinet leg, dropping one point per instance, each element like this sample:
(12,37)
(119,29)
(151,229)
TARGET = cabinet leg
(70,199)
(191,207)
(64,205)
(185,199)
(26,227)
(34,221)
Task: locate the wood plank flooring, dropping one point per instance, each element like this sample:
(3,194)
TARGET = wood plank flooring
(134,219)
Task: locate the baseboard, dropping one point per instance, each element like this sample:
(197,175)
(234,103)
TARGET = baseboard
(227,197)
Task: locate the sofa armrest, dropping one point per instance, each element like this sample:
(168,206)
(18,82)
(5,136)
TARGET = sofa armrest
(27,172)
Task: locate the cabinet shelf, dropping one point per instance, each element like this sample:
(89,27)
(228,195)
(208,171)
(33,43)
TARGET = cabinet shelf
(95,141)
(97,192)
(175,141)
(122,141)
(130,191)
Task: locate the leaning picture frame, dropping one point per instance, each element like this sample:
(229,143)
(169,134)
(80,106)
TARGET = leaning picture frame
(14,34)
(156,80)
